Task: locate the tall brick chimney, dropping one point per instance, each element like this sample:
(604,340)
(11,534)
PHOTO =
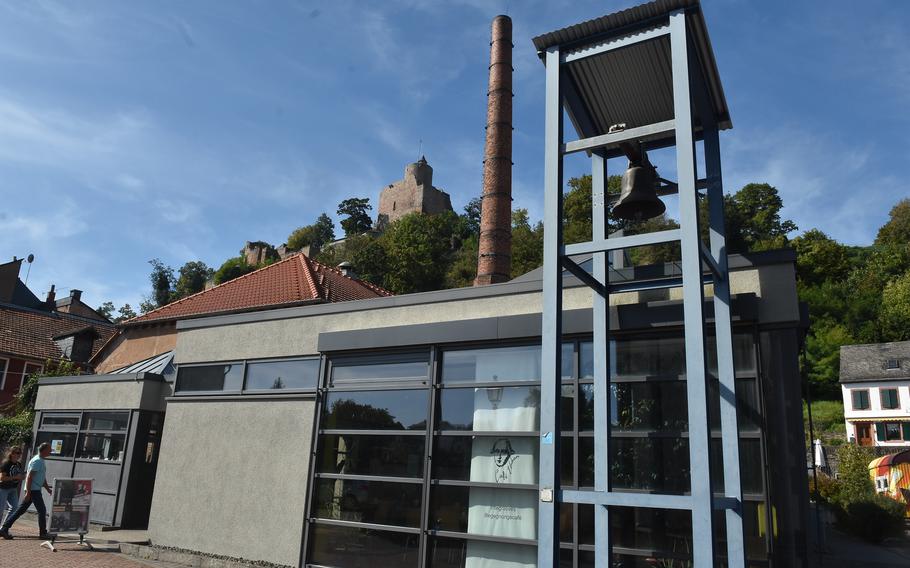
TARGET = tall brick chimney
(494,259)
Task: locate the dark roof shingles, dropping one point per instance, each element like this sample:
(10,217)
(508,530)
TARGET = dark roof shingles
(30,333)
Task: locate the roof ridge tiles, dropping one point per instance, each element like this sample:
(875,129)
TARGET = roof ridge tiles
(364,283)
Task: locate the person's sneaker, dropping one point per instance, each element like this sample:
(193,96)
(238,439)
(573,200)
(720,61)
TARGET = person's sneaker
(5,534)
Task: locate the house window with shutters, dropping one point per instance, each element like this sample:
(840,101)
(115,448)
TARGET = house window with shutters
(860,399)
(890,400)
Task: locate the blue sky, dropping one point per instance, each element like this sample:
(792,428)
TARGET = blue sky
(179,130)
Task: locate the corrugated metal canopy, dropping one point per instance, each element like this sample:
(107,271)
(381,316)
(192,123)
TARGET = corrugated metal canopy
(632,84)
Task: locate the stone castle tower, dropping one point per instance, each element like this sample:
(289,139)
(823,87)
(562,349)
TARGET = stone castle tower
(413,193)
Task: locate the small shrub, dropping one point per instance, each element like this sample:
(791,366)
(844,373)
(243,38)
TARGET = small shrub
(873,519)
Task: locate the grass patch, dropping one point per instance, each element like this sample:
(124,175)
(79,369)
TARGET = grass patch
(828,420)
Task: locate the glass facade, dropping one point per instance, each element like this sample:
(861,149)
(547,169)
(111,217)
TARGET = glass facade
(463,492)
(95,436)
(251,376)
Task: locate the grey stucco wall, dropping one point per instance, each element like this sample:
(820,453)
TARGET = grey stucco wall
(232,478)
(104,395)
(295,336)
(90,396)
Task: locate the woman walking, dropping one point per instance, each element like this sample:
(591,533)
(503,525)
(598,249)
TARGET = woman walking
(11,476)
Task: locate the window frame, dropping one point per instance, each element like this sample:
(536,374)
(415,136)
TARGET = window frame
(853,393)
(243,390)
(890,391)
(435,388)
(26,373)
(6,361)
(246,369)
(896,364)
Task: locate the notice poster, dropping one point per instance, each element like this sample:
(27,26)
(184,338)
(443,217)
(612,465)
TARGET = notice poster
(503,459)
(72,501)
(56,447)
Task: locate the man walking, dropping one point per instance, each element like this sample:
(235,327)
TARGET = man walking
(35,479)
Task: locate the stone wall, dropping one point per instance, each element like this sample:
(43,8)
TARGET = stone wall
(413,193)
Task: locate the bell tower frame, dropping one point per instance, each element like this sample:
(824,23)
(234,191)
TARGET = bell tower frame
(580,83)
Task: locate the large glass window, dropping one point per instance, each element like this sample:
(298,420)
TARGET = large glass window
(468,480)
(278,375)
(370,464)
(492,365)
(210,378)
(376,410)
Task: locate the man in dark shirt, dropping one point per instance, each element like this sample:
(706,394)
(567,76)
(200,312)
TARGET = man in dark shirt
(11,475)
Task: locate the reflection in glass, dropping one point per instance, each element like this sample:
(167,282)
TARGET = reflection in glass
(747,414)
(490,409)
(459,553)
(376,410)
(497,459)
(62,443)
(568,361)
(669,532)
(362,548)
(395,456)
(484,511)
(103,447)
(397,371)
(61,421)
(490,365)
(277,375)
(652,464)
(106,421)
(649,357)
(639,406)
(210,378)
(657,406)
(375,502)
(750,468)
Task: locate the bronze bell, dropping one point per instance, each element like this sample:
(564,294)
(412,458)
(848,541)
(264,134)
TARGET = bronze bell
(638,199)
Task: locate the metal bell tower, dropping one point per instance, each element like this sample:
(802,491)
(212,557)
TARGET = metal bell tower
(644,78)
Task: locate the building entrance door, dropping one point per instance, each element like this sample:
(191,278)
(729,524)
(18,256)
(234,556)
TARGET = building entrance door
(863,434)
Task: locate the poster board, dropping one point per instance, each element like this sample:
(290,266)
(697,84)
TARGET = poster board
(71,505)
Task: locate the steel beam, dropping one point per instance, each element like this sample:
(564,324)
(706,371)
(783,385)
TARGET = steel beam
(693,297)
(601,314)
(612,141)
(630,499)
(630,241)
(582,275)
(551,336)
(736,554)
(615,43)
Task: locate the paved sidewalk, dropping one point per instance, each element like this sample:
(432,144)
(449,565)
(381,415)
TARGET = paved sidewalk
(26,550)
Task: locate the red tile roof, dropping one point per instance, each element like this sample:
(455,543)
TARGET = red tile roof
(295,280)
(29,333)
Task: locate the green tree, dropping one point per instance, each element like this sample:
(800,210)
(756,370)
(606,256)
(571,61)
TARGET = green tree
(124,313)
(232,268)
(819,258)
(753,219)
(822,360)
(16,429)
(463,269)
(315,235)
(895,310)
(368,256)
(106,310)
(527,243)
(418,251)
(471,215)
(162,279)
(192,279)
(897,230)
(357,219)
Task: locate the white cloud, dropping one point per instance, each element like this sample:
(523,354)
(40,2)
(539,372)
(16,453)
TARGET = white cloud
(824,183)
